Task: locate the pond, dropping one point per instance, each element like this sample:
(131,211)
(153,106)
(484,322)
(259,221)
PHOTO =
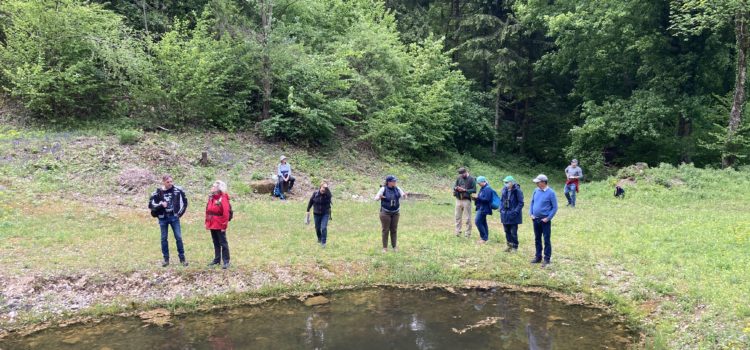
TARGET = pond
(363,319)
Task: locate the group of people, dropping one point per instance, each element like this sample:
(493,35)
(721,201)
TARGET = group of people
(169,202)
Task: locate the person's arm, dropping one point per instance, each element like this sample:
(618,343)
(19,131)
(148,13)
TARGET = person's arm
(519,207)
(531,205)
(554,207)
(289,173)
(380,193)
(183,203)
(471,187)
(152,202)
(310,203)
(403,194)
(225,209)
(278,171)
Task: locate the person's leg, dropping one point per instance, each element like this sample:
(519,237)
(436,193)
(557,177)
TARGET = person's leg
(538,239)
(481,222)
(547,231)
(291,182)
(164,226)
(177,230)
(567,193)
(458,214)
(514,236)
(394,229)
(318,219)
(467,213)
(224,246)
(217,246)
(324,228)
(385,224)
(508,237)
(573,195)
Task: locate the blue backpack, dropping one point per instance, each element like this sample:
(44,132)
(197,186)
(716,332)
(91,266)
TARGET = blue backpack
(495,200)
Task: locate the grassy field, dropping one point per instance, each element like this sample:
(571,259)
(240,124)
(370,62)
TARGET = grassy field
(672,256)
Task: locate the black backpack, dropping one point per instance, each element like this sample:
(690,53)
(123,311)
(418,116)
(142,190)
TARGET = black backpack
(619,192)
(158,209)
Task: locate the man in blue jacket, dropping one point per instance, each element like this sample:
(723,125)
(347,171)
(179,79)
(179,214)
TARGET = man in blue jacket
(543,209)
(511,205)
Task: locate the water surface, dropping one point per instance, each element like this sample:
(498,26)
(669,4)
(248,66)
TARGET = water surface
(365,319)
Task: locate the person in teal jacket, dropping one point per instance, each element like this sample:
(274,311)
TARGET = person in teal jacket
(484,208)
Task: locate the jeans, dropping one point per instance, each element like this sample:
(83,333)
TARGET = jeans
(164,223)
(389,223)
(543,229)
(481,223)
(570,194)
(286,186)
(511,235)
(221,246)
(321,227)
(463,213)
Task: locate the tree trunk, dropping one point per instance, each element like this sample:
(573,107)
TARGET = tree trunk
(497,120)
(266,17)
(145,18)
(735,116)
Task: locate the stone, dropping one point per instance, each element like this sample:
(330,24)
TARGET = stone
(317,300)
(262,186)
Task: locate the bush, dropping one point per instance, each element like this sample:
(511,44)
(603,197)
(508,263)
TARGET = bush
(129,137)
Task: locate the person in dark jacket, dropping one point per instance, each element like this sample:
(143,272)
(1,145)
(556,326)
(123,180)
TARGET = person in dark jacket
(464,187)
(484,208)
(511,204)
(320,202)
(217,220)
(171,203)
(390,196)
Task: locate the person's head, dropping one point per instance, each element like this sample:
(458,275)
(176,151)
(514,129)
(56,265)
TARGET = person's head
(219,187)
(323,187)
(482,181)
(574,163)
(282,159)
(541,181)
(167,181)
(463,172)
(509,181)
(390,181)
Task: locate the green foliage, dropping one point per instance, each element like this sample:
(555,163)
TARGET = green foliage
(129,136)
(67,59)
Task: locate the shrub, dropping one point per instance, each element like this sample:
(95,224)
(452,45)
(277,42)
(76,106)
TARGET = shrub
(129,136)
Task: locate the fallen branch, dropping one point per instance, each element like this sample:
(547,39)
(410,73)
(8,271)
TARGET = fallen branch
(489,321)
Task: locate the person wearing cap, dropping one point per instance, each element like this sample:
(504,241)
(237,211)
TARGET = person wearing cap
(542,209)
(484,208)
(389,197)
(510,211)
(463,189)
(284,171)
(573,175)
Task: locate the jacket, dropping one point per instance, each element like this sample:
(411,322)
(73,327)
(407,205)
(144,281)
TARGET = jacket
(176,201)
(468,183)
(484,200)
(217,212)
(320,203)
(511,204)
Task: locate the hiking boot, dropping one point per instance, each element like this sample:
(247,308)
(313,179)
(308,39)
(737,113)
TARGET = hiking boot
(508,249)
(546,263)
(536,260)
(184,263)
(322,245)
(225,266)
(395,249)
(165,263)
(213,263)
(458,234)
(385,250)
(481,241)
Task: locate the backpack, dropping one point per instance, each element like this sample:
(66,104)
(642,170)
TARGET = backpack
(158,209)
(619,192)
(495,200)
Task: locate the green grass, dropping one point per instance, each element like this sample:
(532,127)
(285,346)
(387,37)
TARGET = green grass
(672,256)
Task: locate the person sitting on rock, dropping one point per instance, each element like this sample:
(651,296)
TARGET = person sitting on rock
(284,172)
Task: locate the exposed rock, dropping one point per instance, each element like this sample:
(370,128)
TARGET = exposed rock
(157,317)
(317,300)
(262,186)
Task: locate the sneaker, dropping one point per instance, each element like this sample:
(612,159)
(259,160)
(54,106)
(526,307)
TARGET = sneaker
(395,249)
(165,263)
(225,266)
(385,250)
(536,260)
(184,263)
(213,263)
(322,245)
(508,250)
(546,263)
(458,234)
(481,241)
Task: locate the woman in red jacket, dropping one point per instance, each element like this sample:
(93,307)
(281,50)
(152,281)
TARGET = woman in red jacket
(217,219)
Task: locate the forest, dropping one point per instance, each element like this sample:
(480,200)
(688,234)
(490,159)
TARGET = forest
(608,82)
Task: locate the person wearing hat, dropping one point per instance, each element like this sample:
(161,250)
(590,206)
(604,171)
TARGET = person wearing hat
(542,209)
(484,208)
(284,171)
(463,189)
(510,211)
(573,175)
(389,197)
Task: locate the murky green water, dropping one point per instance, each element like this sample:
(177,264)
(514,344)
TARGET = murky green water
(369,319)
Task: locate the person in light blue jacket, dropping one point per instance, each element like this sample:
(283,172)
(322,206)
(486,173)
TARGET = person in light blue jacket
(543,208)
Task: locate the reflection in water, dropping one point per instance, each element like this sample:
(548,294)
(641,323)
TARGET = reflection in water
(368,319)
